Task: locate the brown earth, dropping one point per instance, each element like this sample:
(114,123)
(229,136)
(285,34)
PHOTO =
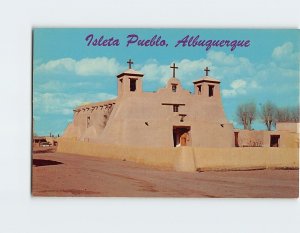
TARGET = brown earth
(49,149)
(57,174)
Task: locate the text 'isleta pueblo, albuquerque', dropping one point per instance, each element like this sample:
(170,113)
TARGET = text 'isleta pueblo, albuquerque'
(158,41)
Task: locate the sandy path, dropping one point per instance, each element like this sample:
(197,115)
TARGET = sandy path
(56,174)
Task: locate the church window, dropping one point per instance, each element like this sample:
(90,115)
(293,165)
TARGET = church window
(174,87)
(199,89)
(88,121)
(132,84)
(210,90)
(175,108)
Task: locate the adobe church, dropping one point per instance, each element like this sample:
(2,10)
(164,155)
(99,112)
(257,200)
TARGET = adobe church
(169,117)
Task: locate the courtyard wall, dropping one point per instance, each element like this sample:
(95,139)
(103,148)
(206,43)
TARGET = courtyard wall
(189,159)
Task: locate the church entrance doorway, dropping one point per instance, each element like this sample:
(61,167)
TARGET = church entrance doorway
(181,135)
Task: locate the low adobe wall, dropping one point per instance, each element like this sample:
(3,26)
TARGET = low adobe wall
(288,126)
(163,158)
(189,159)
(261,138)
(245,158)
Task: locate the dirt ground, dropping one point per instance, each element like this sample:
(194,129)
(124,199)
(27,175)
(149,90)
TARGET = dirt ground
(57,174)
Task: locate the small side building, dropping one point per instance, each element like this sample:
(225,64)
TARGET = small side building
(285,135)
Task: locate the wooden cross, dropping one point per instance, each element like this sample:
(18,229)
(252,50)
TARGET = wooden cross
(206,71)
(129,63)
(173,67)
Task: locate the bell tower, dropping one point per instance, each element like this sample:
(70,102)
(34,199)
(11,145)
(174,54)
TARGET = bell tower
(207,87)
(130,81)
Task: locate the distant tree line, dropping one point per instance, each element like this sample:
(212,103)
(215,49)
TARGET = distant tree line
(53,136)
(268,113)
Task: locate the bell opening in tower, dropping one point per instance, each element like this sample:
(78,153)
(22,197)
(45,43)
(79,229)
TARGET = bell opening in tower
(132,84)
(210,90)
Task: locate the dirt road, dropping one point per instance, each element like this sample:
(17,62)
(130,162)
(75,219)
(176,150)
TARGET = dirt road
(56,174)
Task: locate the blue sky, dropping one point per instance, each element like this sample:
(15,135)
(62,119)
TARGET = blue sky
(67,72)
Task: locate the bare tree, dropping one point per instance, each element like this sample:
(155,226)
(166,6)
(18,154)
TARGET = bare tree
(246,114)
(282,114)
(286,114)
(267,114)
(251,107)
(294,114)
(242,116)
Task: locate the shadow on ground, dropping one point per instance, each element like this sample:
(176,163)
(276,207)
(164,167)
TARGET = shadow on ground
(44,162)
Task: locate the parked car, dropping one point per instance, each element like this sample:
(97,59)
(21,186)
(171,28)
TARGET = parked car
(45,144)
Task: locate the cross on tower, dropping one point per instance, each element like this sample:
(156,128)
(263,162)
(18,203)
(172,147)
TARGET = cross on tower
(173,67)
(129,63)
(206,71)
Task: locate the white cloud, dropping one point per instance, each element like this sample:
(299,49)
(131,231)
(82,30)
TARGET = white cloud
(63,64)
(254,84)
(229,93)
(62,103)
(222,58)
(188,70)
(104,96)
(229,65)
(226,67)
(83,67)
(283,50)
(154,71)
(55,86)
(240,87)
(223,66)
(286,56)
(238,84)
(52,86)
(237,87)
(97,66)
(220,64)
